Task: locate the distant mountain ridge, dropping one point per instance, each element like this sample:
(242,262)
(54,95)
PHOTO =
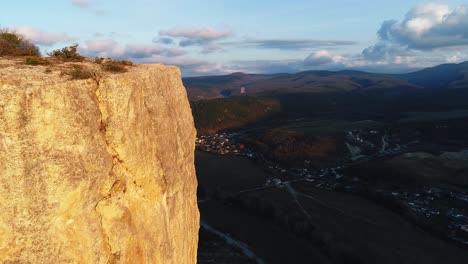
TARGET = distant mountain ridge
(449,76)
(441,76)
(209,87)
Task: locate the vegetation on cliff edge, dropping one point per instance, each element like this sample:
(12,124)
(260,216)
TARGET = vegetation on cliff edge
(14,44)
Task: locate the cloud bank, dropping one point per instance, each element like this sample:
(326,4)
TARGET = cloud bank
(427,27)
(211,40)
(205,38)
(426,35)
(111,48)
(41,37)
(205,34)
(289,44)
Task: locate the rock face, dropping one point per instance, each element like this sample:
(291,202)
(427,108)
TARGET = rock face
(98,170)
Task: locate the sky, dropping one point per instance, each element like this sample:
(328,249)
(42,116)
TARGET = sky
(212,37)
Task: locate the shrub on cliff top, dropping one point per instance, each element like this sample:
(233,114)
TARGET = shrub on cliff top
(13,44)
(113,65)
(67,54)
(79,72)
(34,61)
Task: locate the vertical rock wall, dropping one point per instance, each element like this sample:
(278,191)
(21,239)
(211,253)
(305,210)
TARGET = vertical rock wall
(98,170)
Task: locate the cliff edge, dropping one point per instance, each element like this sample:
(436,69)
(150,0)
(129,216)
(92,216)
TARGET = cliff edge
(99,170)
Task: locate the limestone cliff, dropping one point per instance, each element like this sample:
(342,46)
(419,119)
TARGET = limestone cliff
(98,170)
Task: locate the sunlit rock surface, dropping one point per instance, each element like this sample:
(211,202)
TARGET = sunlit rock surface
(98,170)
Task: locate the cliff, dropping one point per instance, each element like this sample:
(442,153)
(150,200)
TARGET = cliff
(99,170)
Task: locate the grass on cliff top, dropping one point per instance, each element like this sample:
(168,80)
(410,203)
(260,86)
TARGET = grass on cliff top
(111,65)
(79,72)
(35,60)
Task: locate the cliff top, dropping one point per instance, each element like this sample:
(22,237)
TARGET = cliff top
(14,70)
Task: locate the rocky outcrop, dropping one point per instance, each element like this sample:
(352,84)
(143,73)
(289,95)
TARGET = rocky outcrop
(98,170)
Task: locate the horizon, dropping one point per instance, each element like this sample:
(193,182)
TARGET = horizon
(265,37)
(331,70)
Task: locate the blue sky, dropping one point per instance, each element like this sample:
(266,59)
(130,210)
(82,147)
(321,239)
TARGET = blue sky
(220,36)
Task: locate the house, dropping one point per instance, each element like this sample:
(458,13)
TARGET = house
(464,228)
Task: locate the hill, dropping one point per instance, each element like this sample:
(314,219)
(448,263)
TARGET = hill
(209,87)
(443,76)
(213,115)
(349,95)
(328,82)
(201,88)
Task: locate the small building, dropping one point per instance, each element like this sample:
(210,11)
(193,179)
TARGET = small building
(277,182)
(464,228)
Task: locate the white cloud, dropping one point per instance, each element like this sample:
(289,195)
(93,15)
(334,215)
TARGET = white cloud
(428,26)
(190,66)
(288,44)
(206,38)
(422,18)
(44,38)
(111,48)
(206,34)
(455,58)
(323,57)
(141,51)
(102,48)
(427,35)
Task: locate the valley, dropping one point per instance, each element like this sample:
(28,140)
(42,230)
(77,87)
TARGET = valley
(304,222)
(336,167)
(338,204)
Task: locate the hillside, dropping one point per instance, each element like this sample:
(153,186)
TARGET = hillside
(209,87)
(218,114)
(328,82)
(441,76)
(199,88)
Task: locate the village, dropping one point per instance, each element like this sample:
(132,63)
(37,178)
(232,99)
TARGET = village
(366,144)
(437,204)
(426,203)
(222,144)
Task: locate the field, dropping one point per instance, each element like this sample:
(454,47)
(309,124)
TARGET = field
(353,229)
(229,174)
(215,250)
(330,127)
(435,116)
(375,233)
(267,240)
